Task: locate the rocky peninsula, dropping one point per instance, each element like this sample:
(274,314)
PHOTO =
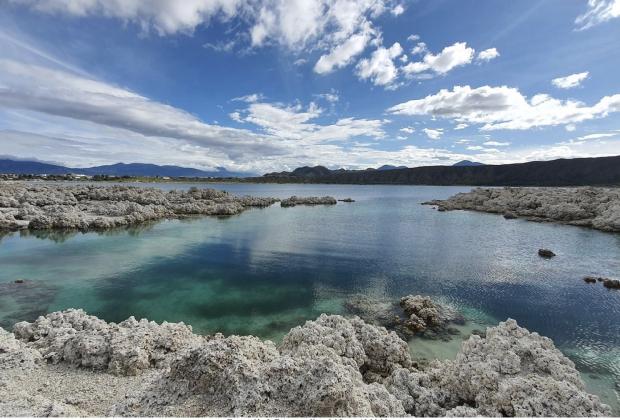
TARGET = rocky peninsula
(72,364)
(597,208)
(37,206)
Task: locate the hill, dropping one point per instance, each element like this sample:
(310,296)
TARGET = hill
(8,166)
(560,172)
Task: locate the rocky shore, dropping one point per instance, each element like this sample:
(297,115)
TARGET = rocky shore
(308,201)
(69,363)
(597,208)
(86,207)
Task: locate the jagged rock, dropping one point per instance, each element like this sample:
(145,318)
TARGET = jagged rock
(510,215)
(511,372)
(589,279)
(126,348)
(597,208)
(332,366)
(15,354)
(315,372)
(307,201)
(546,253)
(84,207)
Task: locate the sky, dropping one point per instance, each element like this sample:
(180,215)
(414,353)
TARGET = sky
(257,86)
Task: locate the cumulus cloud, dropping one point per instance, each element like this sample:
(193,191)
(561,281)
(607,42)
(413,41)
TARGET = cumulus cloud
(599,11)
(294,24)
(488,55)
(380,68)
(570,81)
(461,126)
(433,134)
(408,130)
(252,97)
(505,108)
(450,57)
(331,96)
(344,53)
(398,10)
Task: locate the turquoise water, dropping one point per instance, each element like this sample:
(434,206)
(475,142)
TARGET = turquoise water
(267,270)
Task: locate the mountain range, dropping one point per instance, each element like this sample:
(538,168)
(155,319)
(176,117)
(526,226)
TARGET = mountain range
(560,172)
(9,166)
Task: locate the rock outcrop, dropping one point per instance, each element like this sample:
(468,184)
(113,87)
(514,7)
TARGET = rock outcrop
(86,207)
(597,208)
(332,366)
(127,348)
(307,201)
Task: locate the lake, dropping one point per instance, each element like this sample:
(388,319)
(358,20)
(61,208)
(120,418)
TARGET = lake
(267,270)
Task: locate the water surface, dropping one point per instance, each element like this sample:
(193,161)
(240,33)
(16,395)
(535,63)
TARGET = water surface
(267,270)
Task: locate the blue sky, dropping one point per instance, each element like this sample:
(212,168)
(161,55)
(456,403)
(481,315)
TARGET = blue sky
(264,85)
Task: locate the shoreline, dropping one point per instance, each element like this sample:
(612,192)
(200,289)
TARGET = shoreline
(333,366)
(591,207)
(85,207)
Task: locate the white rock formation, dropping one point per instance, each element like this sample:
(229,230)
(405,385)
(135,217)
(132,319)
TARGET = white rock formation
(83,207)
(598,208)
(307,201)
(329,367)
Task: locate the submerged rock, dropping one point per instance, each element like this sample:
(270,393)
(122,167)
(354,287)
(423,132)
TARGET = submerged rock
(347,200)
(589,279)
(597,208)
(412,315)
(332,366)
(546,253)
(611,283)
(307,201)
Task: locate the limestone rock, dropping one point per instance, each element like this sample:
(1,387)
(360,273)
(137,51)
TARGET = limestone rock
(597,208)
(307,201)
(126,348)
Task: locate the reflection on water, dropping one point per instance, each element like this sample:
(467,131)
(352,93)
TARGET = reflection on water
(267,270)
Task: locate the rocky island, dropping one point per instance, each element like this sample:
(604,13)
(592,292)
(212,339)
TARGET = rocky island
(597,208)
(72,364)
(38,206)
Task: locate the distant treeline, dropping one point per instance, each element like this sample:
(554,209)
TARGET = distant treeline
(561,172)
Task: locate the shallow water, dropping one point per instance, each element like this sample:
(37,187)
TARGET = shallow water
(267,270)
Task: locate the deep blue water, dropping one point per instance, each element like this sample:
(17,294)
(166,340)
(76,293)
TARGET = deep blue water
(267,270)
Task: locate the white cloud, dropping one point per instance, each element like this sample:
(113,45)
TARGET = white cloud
(570,81)
(398,10)
(380,68)
(401,137)
(408,130)
(344,53)
(433,134)
(420,48)
(463,141)
(253,97)
(598,136)
(235,116)
(505,108)
(461,126)
(488,55)
(570,127)
(295,123)
(450,57)
(413,37)
(496,143)
(331,96)
(599,11)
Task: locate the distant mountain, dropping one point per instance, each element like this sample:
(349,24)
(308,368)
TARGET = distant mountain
(8,166)
(560,172)
(390,167)
(468,163)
